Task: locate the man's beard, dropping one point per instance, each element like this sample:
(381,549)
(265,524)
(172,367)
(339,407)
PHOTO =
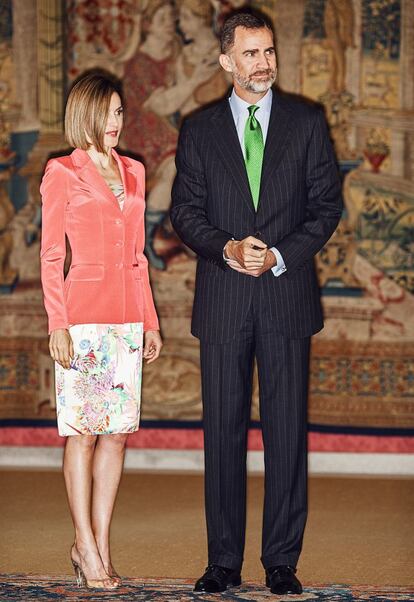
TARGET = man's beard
(253,85)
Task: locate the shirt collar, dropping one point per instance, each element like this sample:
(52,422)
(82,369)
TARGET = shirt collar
(240,106)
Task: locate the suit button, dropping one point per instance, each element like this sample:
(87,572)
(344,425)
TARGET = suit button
(120,265)
(118,222)
(119,243)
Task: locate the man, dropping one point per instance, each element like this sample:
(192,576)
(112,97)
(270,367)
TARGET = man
(256,196)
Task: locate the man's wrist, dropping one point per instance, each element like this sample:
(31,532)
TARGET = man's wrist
(227,251)
(271,259)
(279,268)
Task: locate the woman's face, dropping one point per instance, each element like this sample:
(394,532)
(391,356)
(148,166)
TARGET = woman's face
(163,22)
(114,122)
(190,24)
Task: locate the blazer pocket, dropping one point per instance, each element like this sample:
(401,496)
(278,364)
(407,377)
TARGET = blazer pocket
(137,272)
(86,272)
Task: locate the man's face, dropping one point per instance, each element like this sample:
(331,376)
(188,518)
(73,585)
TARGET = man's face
(252,60)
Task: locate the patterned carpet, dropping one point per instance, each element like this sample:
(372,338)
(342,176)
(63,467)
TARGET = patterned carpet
(28,588)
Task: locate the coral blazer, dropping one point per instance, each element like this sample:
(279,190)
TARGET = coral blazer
(108,278)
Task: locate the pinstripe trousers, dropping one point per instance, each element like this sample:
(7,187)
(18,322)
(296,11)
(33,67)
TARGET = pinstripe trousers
(227,371)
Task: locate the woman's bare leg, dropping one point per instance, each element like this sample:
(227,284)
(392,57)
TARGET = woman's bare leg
(107,469)
(77,470)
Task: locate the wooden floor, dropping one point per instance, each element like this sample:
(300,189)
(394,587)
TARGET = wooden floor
(360,531)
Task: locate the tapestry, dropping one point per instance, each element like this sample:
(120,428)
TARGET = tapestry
(381,40)
(350,57)
(353,384)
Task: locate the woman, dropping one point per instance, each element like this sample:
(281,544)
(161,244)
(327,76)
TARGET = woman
(157,88)
(148,131)
(97,315)
(202,48)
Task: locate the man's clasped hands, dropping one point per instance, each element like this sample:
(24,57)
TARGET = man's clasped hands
(249,256)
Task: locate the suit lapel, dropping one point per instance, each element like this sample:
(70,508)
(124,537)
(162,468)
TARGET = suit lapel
(280,125)
(228,146)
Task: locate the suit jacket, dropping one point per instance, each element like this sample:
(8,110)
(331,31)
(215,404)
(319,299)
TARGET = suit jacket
(108,278)
(299,207)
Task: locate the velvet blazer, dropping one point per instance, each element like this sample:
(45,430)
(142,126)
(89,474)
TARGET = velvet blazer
(108,278)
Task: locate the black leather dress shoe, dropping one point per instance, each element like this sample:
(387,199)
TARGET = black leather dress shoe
(282,580)
(217,579)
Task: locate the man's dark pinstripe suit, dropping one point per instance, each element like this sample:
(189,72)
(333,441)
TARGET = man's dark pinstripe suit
(238,317)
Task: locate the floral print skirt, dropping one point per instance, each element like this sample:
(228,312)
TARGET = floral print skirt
(101,392)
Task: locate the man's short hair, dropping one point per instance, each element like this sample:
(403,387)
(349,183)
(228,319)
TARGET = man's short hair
(248,20)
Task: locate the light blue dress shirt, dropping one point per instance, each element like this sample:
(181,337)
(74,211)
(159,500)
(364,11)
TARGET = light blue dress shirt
(240,112)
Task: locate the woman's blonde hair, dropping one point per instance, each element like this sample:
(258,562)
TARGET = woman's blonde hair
(200,8)
(87,109)
(148,14)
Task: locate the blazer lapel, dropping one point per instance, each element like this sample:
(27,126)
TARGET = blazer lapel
(90,176)
(228,146)
(278,134)
(129,180)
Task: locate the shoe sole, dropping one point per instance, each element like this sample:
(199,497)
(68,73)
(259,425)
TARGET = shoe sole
(235,583)
(294,593)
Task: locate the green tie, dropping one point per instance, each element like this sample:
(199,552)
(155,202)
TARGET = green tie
(253,143)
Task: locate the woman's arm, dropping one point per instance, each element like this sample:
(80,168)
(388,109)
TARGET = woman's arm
(152,337)
(53,246)
(167,100)
(150,313)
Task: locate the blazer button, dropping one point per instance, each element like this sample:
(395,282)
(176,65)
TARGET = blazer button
(118,222)
(119,243)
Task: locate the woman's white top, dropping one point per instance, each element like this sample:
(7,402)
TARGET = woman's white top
(118,190)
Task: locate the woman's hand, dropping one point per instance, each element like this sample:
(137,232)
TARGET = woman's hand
(61,347)
(152,346)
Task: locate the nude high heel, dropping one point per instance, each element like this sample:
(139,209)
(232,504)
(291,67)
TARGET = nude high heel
(82,581)
(80,576)
(114,575)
